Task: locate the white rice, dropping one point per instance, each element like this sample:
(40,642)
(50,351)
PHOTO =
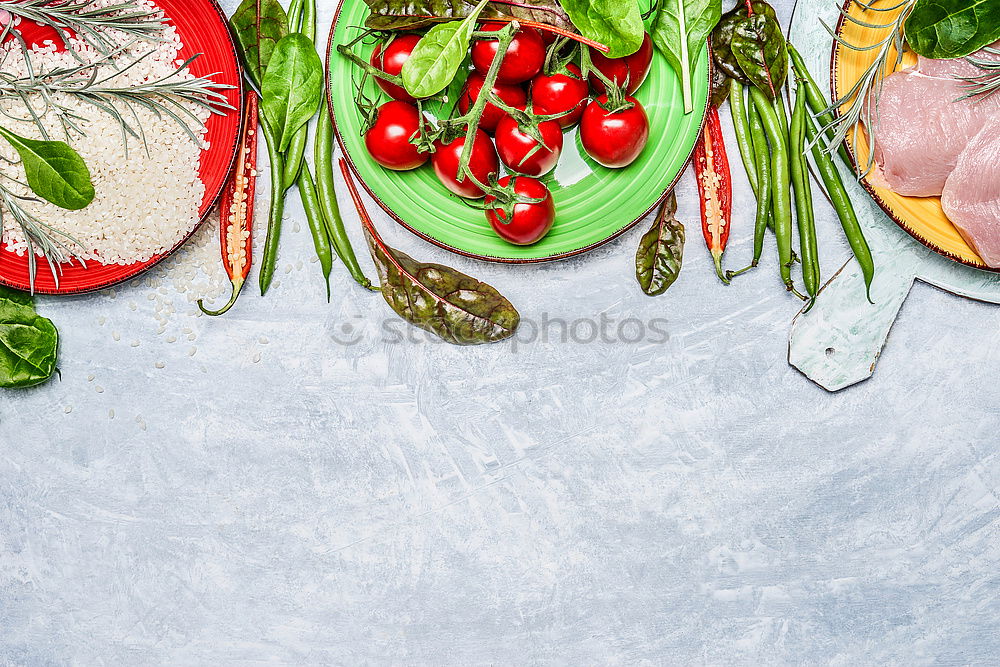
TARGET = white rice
(147,197)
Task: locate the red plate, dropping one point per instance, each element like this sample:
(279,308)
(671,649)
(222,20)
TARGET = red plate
(203,29)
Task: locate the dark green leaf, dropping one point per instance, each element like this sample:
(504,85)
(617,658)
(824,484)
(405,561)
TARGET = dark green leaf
(418,14)
(661,251)
(259,25)
(720,87)
(952,28)
(435,60)
(680,30)
(722,38)
(55,171)
(293,87)
(28,342)
(439,299)
(615,23)
(759,47)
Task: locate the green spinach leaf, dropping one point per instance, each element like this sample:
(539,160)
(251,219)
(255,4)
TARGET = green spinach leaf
(293,87)
(258,26)
(28,342)
(55,171)
(435,60)
(680,30)
(439,299)
(615,23)
(661,251)
(952,28)
(760,49)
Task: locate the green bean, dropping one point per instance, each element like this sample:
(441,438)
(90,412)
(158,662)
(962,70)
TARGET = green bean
(738,107)
(277,209)
(294,15)
(780,186)
(816,99)
(308,27)
(762,161)
(328,197)
(321,239)
(845,209)
(804,212)
(295,154)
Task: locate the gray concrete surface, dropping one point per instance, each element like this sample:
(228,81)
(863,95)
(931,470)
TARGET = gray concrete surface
(299,483)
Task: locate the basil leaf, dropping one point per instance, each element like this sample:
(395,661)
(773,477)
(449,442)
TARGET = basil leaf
(615,23)
(258,26)
(759,47)
(28,342)
(439,299)
(952,28)
(435,60)
(55,171)
(679,31)
(722,38)
(661,251)
(293,87)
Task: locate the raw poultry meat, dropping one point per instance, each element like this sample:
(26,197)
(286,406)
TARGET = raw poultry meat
(929,144)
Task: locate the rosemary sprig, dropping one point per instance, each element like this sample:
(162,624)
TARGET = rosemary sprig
(986,84)
(860,103)
(88,22)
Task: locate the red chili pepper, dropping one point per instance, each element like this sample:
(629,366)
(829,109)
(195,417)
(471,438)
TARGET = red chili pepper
(236,208)
(715,185)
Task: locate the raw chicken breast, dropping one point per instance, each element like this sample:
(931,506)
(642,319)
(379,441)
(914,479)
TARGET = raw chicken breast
(922,130)
(971,197)
(956,67)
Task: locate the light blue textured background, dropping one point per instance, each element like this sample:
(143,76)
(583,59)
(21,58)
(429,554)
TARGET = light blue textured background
(257,491)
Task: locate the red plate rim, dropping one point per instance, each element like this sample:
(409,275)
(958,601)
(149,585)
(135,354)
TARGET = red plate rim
(129,271)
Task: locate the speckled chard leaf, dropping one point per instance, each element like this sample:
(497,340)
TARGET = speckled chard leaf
(661,251)
(258,26)
(439,299)
(28,342)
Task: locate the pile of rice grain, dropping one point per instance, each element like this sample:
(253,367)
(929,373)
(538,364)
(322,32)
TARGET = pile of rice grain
(147,197)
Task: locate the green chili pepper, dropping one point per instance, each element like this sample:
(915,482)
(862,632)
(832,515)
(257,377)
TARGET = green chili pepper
(328,197)
(814,96)
(277,210)
(845,209)
(738,107)
(321,239)
(770,113)
(804,212)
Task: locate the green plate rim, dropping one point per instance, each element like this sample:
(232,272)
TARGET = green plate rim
(345,155)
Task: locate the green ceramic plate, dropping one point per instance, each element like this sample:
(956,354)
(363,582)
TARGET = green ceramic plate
(593,204)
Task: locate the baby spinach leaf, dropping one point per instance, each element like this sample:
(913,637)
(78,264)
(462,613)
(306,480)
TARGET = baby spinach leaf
(439,299)
(293,87)
(55,171)
(28,342)
(615,23)
(952,28)
(435,60)
(760,49)
(661,251)
(722,37)
(258,26)
(679,31)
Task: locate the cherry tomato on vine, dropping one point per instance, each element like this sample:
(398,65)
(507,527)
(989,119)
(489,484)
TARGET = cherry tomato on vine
(616,138)
(390,60)
(523,60)
(561,92)
(388,140)
(521,153)
(634,68)
(511,95)
(482,164)
(530,221)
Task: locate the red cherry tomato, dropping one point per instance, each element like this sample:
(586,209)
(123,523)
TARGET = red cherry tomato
(523,60)
(482,164)
(530,222)
(634,68)
(391,62)
(388,140)
(523,154)
(614,139)
(510,94)
(566,91)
